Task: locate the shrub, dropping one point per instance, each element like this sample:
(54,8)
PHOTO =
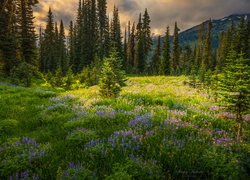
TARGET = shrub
(22,74)
(112,76)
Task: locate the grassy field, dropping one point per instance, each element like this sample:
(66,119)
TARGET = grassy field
(158,128)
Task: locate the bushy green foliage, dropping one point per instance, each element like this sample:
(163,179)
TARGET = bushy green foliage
(22,74)
(112,77)
(89,76)
(235,86)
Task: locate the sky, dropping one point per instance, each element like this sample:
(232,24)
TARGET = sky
(187,13)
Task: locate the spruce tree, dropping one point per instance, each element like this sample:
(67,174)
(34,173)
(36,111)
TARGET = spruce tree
(131,49)
(26,31)
(8,37)
(103,29)
(156,59)
(147,40)
(125,49)
(235,87)
(176,51)
(139,63)
(166,58)
(71,47)
(207,60)
(112,77)
(62,49)
(116,39)
(49,59)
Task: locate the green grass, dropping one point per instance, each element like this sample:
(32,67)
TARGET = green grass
(158,128)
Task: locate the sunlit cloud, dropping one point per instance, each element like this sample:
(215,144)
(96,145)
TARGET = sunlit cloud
(163,12)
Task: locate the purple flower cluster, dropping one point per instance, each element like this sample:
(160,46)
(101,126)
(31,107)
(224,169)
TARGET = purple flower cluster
(178,113)
(56,106)
(215,108)
(93,143)
(224,141)
(23,176)
(110,114)
(125,140)
(61,99)
(141,122)
(23,150)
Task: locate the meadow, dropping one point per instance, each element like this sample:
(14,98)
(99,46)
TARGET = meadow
(158,128)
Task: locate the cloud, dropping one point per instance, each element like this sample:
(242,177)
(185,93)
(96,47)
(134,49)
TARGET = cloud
(162,12)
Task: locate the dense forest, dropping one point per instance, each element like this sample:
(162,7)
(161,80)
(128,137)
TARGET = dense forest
(98,51)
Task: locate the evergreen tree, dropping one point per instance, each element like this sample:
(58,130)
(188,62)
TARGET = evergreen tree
(235,87)
(8,37)
(78,40)
(146,30)
(207,60)
(242,37)
(125,49)
(63,62)
(112,77)
(176,51)
(131,49)
(71,47)
(49,59)
(166,58)
(200,47)
(139,63)
(26,31)
(156,59)
(116,39)
(103,28)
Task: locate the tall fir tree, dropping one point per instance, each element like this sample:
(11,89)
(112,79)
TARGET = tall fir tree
(8,37)
(63,61)
(116,39)
(207,59)
(234,87)
(139,63)
(166,57)
(147,40)
(49,60)
(176,52)
(26,31)
(125,48)
(71,47)
(156,59)
(131,49)
(103,29)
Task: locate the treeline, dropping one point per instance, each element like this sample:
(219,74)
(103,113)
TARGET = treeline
(93,36)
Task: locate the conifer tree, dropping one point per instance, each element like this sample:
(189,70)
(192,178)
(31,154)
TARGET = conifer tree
(8,36)
(71,47)
(139,63)
(103,28)
(125,48)
(112,77)
(235,87)
(116,39)
(63,62)
(131,49)
(207,60)
(26,31)
(146,30)
(176,52)
(49,59)
(156,59)
(166,58)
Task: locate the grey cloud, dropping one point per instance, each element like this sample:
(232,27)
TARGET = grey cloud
(162,12)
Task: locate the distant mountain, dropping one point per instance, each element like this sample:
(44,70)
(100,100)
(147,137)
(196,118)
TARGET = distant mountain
(190,36)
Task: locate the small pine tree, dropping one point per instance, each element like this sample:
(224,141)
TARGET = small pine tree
(235,87)
(112,77)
